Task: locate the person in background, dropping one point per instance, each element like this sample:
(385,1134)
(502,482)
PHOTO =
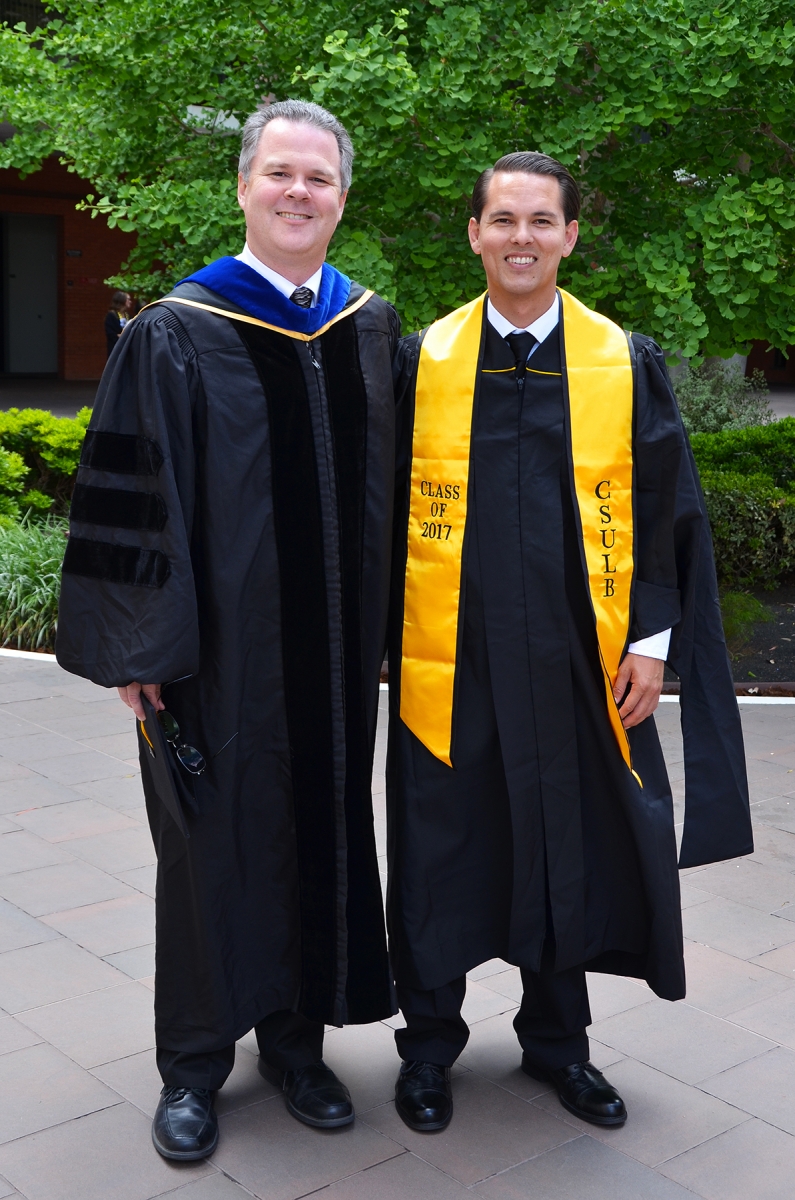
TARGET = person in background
(116,318)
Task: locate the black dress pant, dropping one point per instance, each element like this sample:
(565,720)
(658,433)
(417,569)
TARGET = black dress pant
(550,1024)
(286,1040)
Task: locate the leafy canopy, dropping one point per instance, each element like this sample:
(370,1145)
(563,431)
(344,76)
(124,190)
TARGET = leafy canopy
(676,116)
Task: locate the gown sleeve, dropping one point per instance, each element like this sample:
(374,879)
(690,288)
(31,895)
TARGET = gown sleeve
(717,814)
(404,375)
(128,607)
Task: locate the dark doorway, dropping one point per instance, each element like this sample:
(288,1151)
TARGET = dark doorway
(30,294)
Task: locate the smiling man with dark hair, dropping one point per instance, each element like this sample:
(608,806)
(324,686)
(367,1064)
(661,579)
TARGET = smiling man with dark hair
(554,552)
(229,559)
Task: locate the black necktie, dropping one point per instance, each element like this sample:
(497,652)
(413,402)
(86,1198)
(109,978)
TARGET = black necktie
(302,297)
(521,344)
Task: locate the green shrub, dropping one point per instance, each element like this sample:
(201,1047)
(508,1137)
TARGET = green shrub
(753,528)
(740,612)
(12,482)
(767,450)
(31,554)
(48,448)
(713,397)
(748,476)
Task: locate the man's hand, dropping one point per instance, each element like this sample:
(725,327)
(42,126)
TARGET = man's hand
(646,677)
(131,695)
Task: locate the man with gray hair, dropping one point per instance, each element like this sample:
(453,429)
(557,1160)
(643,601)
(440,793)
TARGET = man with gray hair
(229,562)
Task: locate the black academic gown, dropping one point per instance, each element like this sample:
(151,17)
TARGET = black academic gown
(255,588)
(539,840)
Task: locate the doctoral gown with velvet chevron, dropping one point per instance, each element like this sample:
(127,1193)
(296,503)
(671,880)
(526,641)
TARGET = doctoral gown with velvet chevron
(230,538)
(538,844)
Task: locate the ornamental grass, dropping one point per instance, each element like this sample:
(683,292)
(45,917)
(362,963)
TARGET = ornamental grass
(31,553)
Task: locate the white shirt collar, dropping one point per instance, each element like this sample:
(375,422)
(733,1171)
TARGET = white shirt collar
(540,328)
(279,282)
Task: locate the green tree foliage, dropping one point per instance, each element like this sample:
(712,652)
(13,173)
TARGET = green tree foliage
(677,116)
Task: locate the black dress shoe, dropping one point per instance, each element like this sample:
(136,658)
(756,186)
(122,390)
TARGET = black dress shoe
(313,1094)
(423,1096)
(185,1124)
(583,1090)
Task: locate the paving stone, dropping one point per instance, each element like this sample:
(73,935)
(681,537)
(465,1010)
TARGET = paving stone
(762,1086)
(721,984)
(63,1163)
(481,1002)
(23,851)
(778,811)
(118,745)
(781,960)
(735,928)
(566,1172)
(403,1178)
(52,889)
(755,884)
(15,1036)
(365,1058)
(12,725)
(26,688)
(33,792)
(682,1041)
(773,1018)
(494,966)
(493,1051)
(212,1187)
(277,1158)
(90,724)
(138,963)
(9,770)
(8,826)
(142,879)
(751,1160)
(51,971)
(665,1118)
(78,819)
(692,895)
(773,847)
(137,1079)
(84,767)
(492,1130)
(38,710)
(6,1190)
(120,793)
(41,1087)
(99,1027)
(119,850)
(36,747)
(18,929)
(138,814)
(108,927)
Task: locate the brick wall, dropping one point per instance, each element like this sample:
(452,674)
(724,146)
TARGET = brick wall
(83,298)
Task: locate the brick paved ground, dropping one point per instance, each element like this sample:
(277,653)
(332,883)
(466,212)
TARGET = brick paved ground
(708,1082)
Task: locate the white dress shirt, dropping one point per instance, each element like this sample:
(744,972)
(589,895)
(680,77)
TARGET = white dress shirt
(283,285)
(657,645)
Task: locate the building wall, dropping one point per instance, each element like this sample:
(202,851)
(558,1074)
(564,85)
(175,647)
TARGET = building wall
(83,298)
(777,368)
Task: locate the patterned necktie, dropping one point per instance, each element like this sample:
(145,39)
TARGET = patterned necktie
(521,344)
(303,297)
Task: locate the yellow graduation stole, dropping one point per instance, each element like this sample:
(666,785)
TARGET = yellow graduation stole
(601,397)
